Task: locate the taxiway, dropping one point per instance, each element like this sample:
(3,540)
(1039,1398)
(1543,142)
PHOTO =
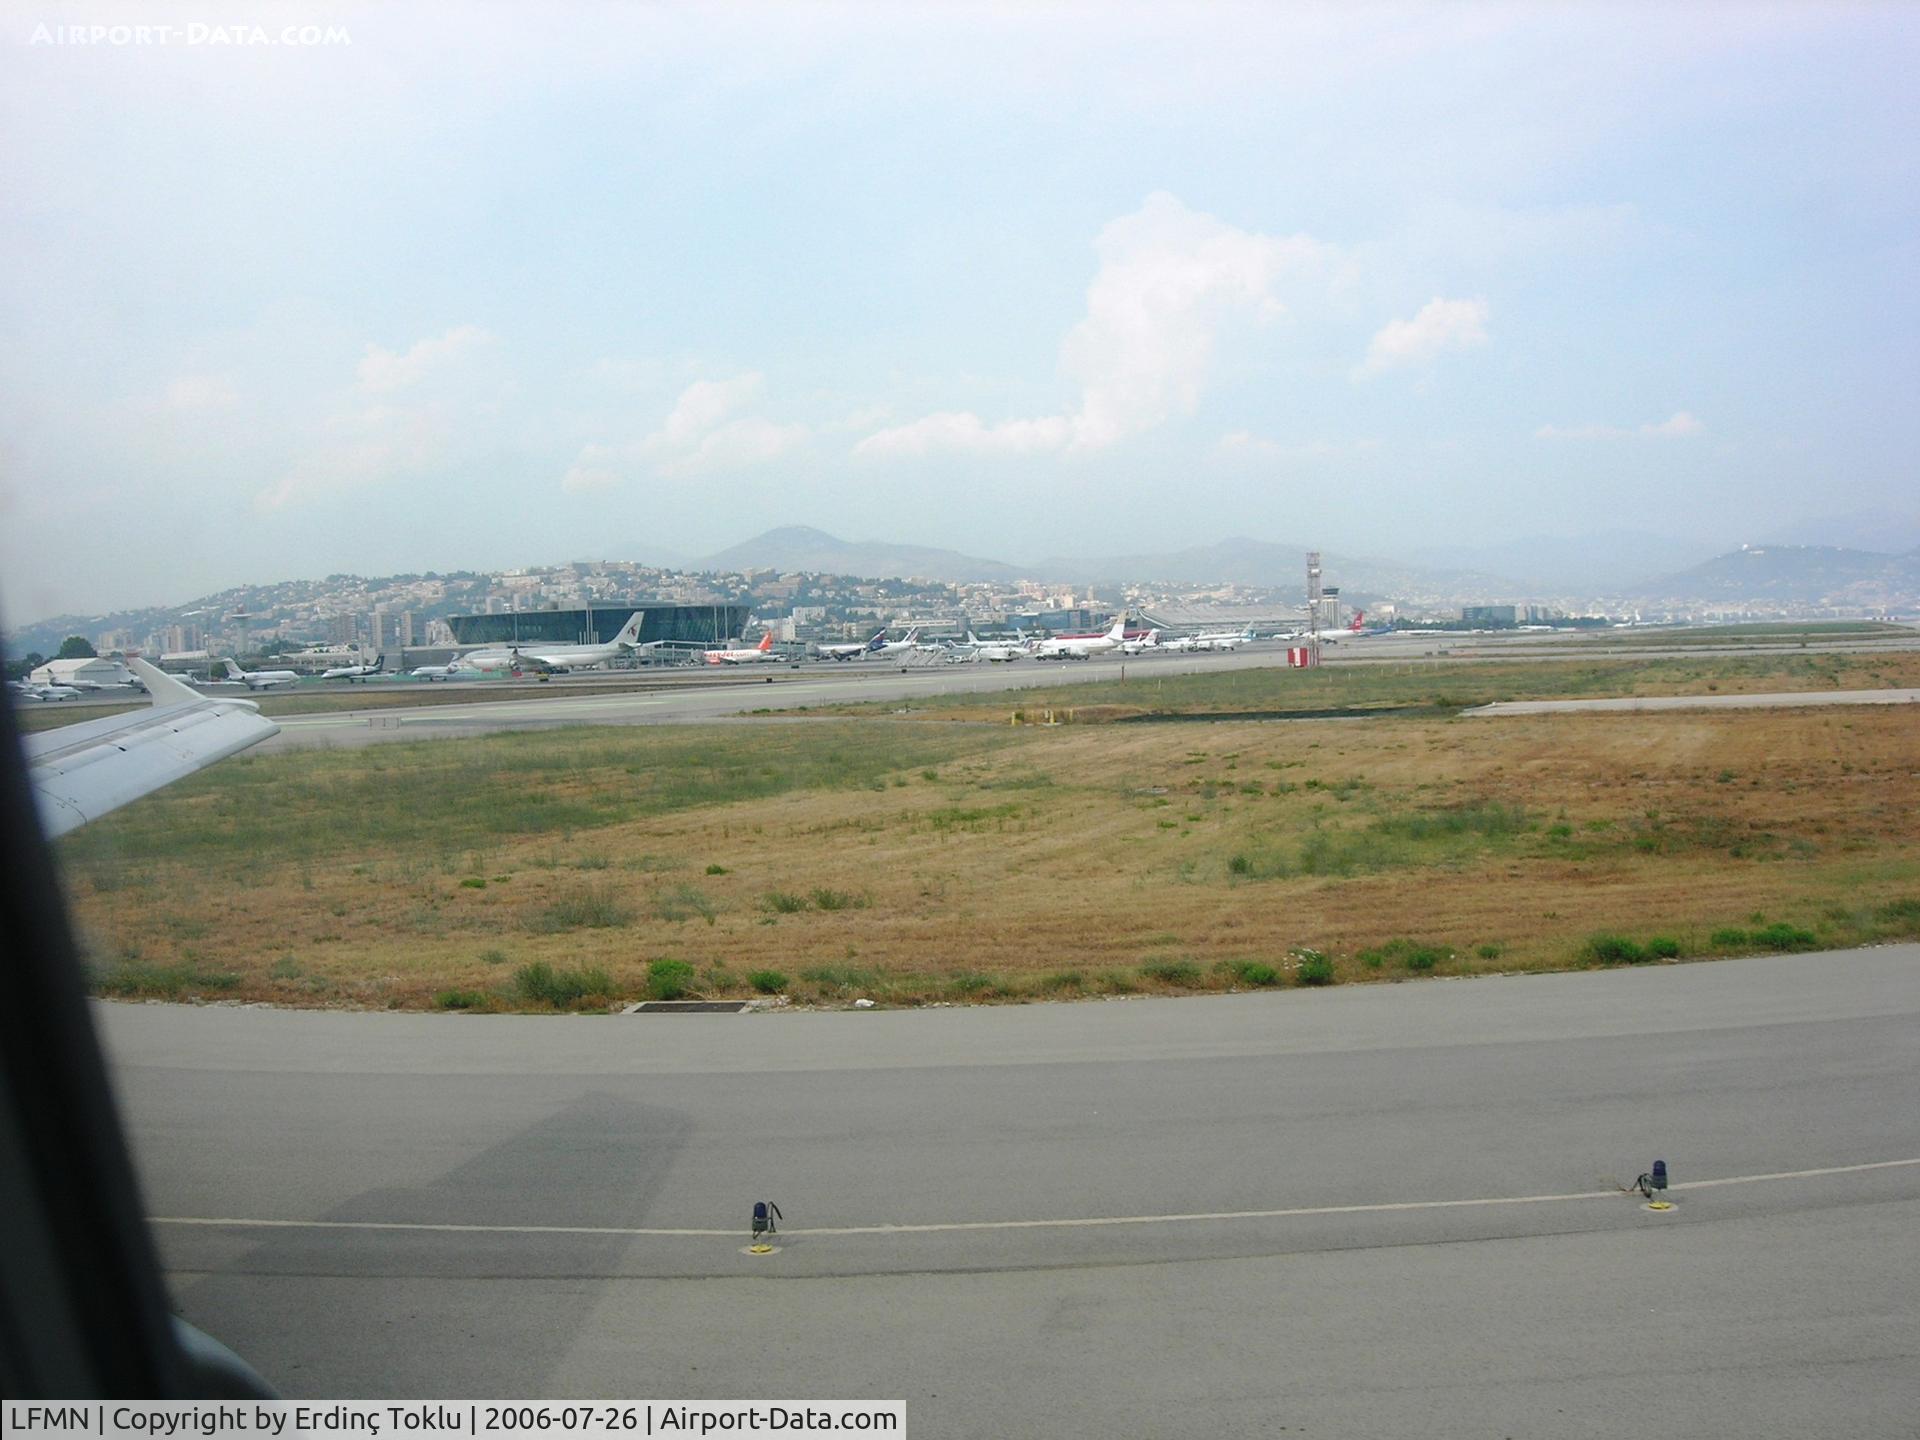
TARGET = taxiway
(1383,1210)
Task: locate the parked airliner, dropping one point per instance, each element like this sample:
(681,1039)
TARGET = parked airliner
(731,656)
(999,652)
(1223,639)
(548,659)
(1357,630)
(856,650)
(1079,647)
(898,647)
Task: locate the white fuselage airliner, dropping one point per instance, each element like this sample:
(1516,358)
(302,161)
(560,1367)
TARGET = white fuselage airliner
(998,652)
(745,656)
(1223,639)
(896,647)
(1079,647)
(1357,630)
(855,651)
(548,659)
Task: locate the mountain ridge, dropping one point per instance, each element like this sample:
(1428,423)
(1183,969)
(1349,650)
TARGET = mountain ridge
(1822,575)
(808,548)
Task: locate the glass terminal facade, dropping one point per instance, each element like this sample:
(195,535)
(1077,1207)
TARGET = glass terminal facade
(676,624)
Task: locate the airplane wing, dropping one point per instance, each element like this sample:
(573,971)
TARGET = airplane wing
(80,772)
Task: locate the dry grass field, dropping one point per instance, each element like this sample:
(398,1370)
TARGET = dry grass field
(916,862)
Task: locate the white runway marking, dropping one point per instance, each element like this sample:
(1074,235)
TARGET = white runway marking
(1384,1208)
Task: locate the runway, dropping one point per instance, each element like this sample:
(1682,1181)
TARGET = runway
(670,698)
(701,697)
(1381,1210)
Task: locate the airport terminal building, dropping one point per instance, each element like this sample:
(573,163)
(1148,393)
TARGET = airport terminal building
(597,625)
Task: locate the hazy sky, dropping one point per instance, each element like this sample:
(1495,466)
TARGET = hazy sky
(492,284)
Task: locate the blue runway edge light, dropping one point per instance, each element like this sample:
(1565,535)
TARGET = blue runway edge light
(1654,1182)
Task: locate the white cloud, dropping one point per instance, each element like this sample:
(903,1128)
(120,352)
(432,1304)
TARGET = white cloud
(597,468)
(1677,426)
(1170,280)
(1680,425)
(1440,325)
(750,440)
(382,371)
(697,436)
(702,406)
(377,434)
(361,449)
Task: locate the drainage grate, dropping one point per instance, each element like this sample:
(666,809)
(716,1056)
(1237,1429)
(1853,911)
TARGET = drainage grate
(689,1007)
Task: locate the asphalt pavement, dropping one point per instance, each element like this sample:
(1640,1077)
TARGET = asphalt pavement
(1375,1210)
(742,690)
(669,698)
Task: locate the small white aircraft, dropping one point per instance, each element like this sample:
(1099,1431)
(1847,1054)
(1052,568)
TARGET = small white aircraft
(552,659)
(1148,641)
(259,679)
(1080,647)
(351,673)
(442,672)
(732,656)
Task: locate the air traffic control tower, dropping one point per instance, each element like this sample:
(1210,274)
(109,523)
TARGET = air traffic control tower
(675,624)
